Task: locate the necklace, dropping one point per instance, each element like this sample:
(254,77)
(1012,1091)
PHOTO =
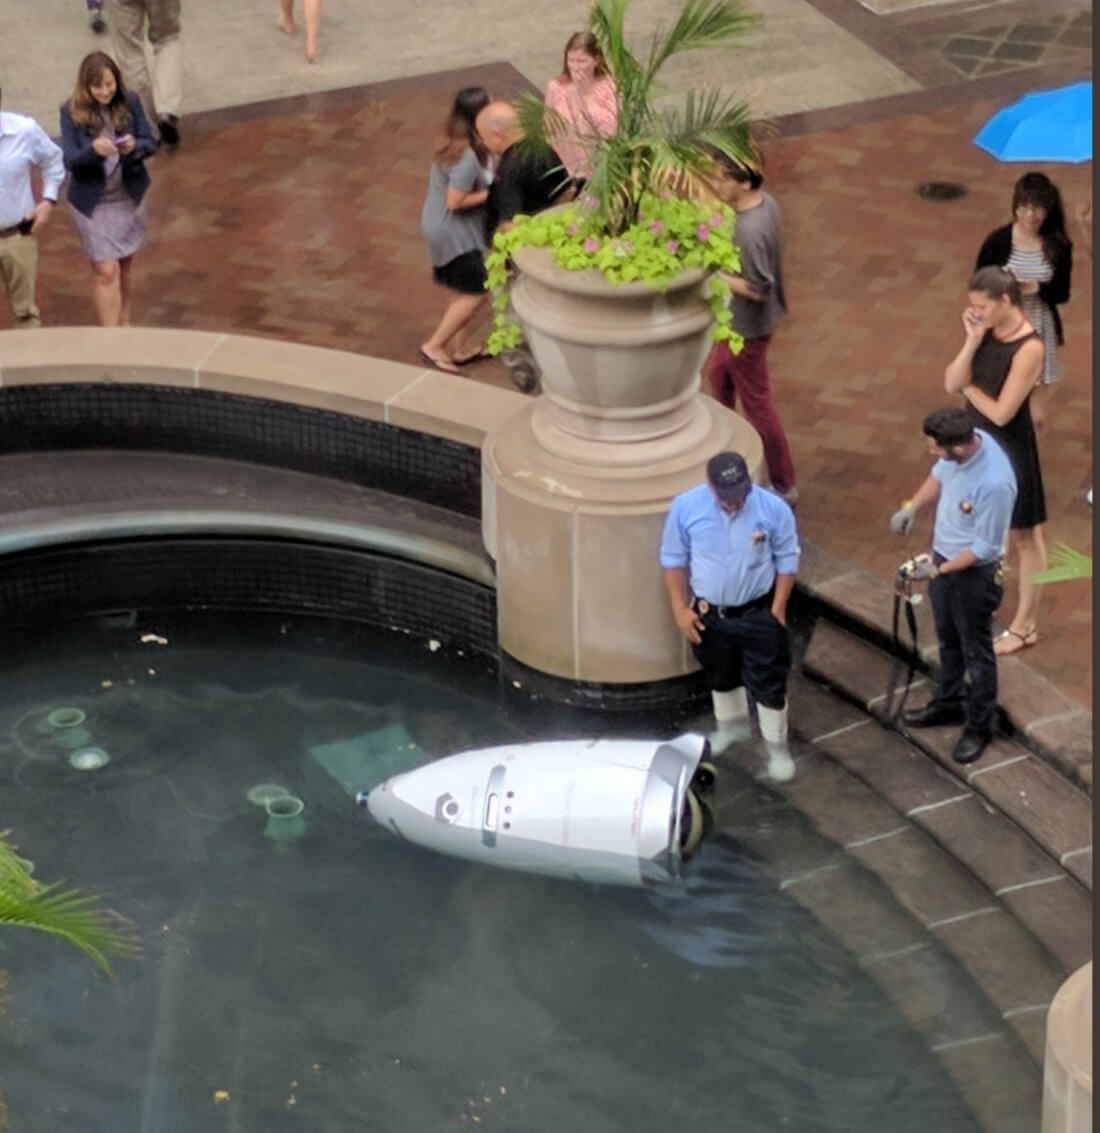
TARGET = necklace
(1012,333)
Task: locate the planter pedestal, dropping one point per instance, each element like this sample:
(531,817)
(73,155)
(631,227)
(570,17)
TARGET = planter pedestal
(580,595)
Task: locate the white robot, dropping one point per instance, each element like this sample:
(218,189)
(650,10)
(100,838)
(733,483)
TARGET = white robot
(621,812)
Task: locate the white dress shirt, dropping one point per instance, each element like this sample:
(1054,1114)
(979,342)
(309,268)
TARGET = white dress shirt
(23,145)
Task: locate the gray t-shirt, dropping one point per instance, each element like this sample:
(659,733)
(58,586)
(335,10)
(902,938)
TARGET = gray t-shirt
(450,234)
(758,233)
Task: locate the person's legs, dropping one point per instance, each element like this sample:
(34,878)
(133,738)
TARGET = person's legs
(106,291)
(461,308)
(766,658)
(749,372)
(125,275)
(979,595)
(286,16)
(19,270)
(167,42)
(1031,558)
(943,594)
(716,375)
(311,10)
(126,19)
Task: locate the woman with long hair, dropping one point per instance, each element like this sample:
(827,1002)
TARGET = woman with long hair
(106,138)
(453,225)
(585,101)
(1036,249)
(996,371)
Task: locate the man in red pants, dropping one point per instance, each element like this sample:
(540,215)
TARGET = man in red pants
(758,302)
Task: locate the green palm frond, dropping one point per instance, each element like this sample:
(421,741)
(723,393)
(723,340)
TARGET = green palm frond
(701,24)
(66,913)
(1066,564)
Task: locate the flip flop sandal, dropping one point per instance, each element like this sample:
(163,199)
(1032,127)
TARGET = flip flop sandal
(440,365)
(472,358)
(1009,642)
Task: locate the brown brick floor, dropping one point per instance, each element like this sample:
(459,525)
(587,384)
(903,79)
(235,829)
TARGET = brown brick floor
(299,220)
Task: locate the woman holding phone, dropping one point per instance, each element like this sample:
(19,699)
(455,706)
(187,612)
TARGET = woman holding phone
(106,138)
(996,371)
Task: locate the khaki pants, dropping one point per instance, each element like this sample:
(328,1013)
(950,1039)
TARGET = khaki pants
(19,269)
(130,21)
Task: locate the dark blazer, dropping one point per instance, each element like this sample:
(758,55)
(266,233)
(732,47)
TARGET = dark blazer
(89,177)
(995,252)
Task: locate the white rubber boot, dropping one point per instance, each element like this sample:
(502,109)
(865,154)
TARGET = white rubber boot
(773,727)
(731,713)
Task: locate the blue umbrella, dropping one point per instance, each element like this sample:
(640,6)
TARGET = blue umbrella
(1046,125)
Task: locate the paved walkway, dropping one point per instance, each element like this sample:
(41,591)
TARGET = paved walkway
(298,218)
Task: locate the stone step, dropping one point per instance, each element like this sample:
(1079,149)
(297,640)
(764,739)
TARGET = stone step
(1010,778)
(1056,728)
(968,984)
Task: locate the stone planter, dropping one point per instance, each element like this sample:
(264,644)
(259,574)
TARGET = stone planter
(619,363)
(576,487)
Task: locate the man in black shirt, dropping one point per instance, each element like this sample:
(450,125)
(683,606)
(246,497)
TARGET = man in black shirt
(523,182)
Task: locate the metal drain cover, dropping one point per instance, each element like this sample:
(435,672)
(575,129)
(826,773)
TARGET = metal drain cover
(941,190)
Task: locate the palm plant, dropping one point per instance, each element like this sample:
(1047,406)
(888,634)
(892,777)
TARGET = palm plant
(657,148)
(60,911)
(647,213)
(1066,565)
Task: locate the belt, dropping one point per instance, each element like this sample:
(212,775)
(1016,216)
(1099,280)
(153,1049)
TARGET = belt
(23,228)
(939,560)
(737,611)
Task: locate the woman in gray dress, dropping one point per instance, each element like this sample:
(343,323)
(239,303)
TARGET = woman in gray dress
(452,222)
(105,138)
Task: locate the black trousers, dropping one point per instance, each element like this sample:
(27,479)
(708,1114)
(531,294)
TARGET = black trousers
(752,649)
(963,604)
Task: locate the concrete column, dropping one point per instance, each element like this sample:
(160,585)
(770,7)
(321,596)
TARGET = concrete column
(1067,1067)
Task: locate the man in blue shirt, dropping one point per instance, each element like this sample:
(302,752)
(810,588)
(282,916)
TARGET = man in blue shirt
(973,488)
(730,553)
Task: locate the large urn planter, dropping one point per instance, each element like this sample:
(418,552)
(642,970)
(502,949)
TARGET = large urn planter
(620,363)
(576,486)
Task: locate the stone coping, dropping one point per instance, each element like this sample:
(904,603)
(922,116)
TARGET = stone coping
(408,397)
(1056,727)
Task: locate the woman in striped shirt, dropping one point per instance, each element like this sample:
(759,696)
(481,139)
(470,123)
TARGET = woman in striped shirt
(1037,251)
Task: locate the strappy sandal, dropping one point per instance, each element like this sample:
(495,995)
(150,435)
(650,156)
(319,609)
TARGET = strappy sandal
(1012,641)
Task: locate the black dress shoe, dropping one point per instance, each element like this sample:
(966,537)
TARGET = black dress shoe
(933,713)
(169,130)
(971,745)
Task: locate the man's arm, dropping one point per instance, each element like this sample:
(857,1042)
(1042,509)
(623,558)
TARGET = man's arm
(784,584)
(679,598)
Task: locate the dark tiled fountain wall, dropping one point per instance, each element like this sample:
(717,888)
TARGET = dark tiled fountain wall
(422,466)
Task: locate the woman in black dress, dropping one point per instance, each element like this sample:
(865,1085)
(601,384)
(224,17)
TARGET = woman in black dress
(996,371)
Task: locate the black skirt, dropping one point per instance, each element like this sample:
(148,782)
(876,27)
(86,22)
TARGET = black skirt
(465,273)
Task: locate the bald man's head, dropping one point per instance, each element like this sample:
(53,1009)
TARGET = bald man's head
(498,126)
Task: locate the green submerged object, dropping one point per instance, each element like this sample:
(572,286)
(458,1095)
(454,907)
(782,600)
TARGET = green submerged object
(361,762)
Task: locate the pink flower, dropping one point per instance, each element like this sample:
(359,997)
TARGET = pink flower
(591,244)
(715,221)
(701,233)
(657,226)
(572,230)
(673,246)
(626,246)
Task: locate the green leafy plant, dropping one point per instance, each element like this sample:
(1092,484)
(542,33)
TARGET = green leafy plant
(1066,564)
(647,213)
(67,913)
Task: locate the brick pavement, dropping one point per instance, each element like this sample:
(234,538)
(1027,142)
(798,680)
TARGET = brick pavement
(299,220)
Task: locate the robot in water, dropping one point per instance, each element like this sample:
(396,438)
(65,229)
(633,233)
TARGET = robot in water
(621,812)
